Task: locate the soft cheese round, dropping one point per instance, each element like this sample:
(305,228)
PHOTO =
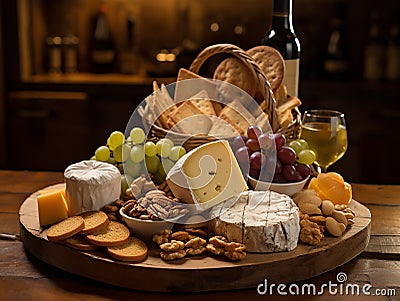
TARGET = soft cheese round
(265,221)
(90,185)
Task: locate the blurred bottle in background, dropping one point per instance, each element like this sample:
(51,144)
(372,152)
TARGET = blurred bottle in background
(374,57)
(103,54)
(393,53)
(336,64)
(129,61)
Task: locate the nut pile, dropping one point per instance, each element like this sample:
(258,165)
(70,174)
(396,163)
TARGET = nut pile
(149,202)
(319,217)
(192,242)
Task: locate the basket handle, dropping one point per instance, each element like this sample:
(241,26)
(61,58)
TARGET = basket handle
(268,104)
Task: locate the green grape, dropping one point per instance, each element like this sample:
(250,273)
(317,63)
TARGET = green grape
(152,164)
(108,144)
(137,135)
(161,171)
(163,148)
(125,183)
(137,153)
(177,152)
(102,153)
(132,169)
(116,138)
(93,157)
(122,152)
(167,164)
(296,145)
(111,160)
(304,144)
(150,149)
(167,140)
(306,156)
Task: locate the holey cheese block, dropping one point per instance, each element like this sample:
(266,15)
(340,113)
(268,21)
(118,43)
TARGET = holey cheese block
(206,176)
(265,221)
(90,185)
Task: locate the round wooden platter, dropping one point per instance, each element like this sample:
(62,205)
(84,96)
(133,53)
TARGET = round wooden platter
(199,273)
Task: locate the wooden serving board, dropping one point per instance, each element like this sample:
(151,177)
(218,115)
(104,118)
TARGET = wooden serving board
(199,273)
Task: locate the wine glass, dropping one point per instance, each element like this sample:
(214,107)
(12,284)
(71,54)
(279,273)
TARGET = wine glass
(326,134)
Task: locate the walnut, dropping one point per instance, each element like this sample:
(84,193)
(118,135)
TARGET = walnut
(341,207)
(180,235)
(215,250)
(172,246)
(233,255)
(196,251)
(162,237)
(235,247)
(310,232)
(304,216)
(197,232)
(218,241)
(196,243)
(173,255)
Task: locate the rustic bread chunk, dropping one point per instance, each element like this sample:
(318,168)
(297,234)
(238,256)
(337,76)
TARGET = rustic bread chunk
(133,250)
(271,63)
(94,220)
(114,235)
(66,228)
(79,242)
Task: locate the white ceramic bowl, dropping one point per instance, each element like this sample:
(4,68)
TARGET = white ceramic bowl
(285,188)
(145,229)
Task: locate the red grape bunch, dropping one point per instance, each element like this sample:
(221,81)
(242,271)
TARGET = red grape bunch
(267,157)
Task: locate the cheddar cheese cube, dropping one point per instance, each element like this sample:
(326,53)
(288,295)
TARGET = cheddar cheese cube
(52,206)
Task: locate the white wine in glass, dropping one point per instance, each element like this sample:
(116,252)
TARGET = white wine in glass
(326,134)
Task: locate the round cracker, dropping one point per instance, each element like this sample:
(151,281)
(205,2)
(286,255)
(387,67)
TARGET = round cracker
(233,71)
(94,221)
(66,228)
(113,235)
(271,63)
(133,250)
(79,242)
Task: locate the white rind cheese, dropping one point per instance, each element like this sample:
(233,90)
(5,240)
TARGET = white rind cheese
(265,221)
(90,185)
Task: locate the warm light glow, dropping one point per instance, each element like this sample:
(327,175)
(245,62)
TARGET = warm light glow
(214,27)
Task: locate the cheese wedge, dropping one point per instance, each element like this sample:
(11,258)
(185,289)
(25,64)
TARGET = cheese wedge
(207,175)
(52,206)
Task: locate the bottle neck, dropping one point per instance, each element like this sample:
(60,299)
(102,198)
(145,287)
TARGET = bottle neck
(282,14)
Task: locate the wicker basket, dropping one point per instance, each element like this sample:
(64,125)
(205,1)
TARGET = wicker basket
(268,104)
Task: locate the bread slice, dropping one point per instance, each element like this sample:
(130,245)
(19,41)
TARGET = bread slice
(133,250)
(66,228)
(187,89)
(94,221)
(80,243)
(238,116)
(114,234)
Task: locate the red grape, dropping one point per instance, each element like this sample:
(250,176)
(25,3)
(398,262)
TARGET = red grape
(266,141)
(287,155)
(254,131)
(289,173)
(278,166)
(304,170)
(278,178)
(238,142)
(257,161)
(253,145)
(280,140)
(298,177)
(242,155)
(254,173)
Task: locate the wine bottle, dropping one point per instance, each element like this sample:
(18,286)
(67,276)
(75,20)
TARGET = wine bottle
(336,64)
(103,53)
(282,37)
(374,60)
(393,53)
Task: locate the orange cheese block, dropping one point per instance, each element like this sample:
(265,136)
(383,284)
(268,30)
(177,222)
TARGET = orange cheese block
(52,206)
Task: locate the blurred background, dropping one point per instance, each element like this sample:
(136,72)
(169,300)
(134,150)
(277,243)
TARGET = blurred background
(58,103)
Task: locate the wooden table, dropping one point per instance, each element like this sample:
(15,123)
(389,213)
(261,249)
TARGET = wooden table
(23,277)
